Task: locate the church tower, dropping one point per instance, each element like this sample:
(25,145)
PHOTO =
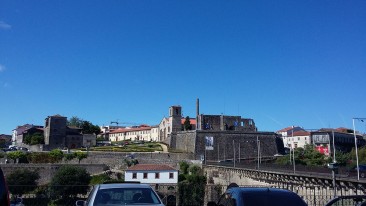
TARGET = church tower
(175,118)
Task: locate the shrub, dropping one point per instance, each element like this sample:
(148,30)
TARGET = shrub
(69,181)
(21,181)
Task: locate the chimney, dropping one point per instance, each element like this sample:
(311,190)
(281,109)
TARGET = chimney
(197,114)
(198,107)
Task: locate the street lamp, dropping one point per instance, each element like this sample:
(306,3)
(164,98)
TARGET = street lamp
(258,150)
(354,134)
(293,149)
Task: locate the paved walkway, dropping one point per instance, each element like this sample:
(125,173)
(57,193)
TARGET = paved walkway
(165,148)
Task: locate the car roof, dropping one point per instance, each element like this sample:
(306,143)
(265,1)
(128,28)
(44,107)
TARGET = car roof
(123,185)
(264,195)
(248,190)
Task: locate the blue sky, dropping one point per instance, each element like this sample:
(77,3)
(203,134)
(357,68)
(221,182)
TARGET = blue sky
(281,63)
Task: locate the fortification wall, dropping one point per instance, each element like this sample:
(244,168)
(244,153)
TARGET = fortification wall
(227,144)
(47,171)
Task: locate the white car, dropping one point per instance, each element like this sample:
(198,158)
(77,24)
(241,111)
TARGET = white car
(114,194)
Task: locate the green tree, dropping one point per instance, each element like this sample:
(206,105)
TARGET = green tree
(342,158)
(86,126)
(17,155)
(39,157)
(89,128)
(37,138)
(183,167)
(69,181)
(195,170)
(75,122)
(21,181)
(81,155)
(56,155)
(313,157)
(361,155)
(306,156)
(32,139)
(69,156)
(187,124)
(191,185)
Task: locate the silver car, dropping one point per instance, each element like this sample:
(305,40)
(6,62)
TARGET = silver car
(121,194)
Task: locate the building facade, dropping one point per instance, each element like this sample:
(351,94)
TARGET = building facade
(343,142)
(297,139)
(152,174)
(18,133)
(55,131)
(141,133)
(287,133)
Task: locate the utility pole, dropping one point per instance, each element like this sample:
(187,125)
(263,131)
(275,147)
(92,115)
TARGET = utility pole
(234,152)
(354,133)
(258,145)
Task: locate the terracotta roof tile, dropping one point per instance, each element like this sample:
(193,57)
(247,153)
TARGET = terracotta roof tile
(285,129)
(192,121)
(301,133)
(121,130)
(150,167)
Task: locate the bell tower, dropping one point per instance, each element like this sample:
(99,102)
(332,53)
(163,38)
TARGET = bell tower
(175,118)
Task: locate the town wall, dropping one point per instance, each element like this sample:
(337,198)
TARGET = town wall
(227,144)
(47,171)
(97,162)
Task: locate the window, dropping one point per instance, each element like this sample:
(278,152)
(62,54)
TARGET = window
(145,175)
(134,175)
(157,175)
(171,175)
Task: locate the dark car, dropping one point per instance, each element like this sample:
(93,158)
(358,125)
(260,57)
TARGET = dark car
(4,192)
(252,196)
(353,171)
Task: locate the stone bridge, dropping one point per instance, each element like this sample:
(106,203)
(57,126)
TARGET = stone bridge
(306,184)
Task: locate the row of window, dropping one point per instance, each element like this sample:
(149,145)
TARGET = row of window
(131,133)
(293,139)
(157,175)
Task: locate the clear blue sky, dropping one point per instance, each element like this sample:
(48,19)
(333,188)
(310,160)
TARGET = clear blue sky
(281,63)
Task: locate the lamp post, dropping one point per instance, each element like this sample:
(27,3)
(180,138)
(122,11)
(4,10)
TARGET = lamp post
(234,152)
(354,134)
(258,150)
(293,150)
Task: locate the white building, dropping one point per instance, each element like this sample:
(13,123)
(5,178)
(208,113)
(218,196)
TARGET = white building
(142,132)
(298,139)
(288,132)
(152,174)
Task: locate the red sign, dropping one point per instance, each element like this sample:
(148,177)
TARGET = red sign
(323,150)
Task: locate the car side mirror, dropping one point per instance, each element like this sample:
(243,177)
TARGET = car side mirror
(211,203)
(80,203)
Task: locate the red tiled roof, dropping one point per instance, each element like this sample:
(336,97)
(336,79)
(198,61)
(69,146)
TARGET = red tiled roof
(288,129)
(150,167)
(121,130)
(192,121)
(301,133)
(285,129)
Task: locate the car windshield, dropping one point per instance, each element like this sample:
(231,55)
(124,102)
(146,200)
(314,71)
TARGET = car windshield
(126,196)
